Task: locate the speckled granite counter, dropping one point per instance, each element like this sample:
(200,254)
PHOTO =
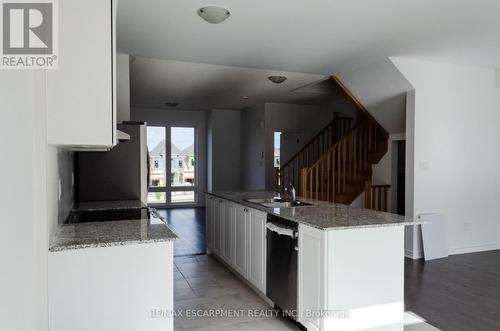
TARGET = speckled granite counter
(321,214)
(100,205)
(113,233)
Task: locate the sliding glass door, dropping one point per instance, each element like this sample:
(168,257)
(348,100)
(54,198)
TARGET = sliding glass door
(172,182)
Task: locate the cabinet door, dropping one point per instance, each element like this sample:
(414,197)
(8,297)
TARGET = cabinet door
(218,223)
(257,249)
(227,240)
(80,93)
(240,247)
(209,220)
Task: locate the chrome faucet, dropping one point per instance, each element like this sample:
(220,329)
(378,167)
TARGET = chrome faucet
(292,192)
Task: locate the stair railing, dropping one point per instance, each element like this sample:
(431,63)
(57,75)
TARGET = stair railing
(377,197)
(341,165)
(289,173)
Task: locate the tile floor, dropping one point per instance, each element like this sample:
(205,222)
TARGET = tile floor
(201,282)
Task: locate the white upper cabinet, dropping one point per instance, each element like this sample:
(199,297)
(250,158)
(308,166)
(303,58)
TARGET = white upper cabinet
(81,93)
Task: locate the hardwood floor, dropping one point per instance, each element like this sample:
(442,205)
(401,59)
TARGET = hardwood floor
(458,293)
(189,225)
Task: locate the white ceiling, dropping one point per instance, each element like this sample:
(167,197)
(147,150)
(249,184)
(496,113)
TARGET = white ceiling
(305,40)
(320,37)
(195,86)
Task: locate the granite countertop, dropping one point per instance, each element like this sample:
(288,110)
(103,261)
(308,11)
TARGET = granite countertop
(112,233)
(321,214)
(118,204)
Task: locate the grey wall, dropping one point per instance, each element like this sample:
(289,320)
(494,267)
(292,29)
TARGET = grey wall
(122,87)
(187,118)
(253,148)
(223,145)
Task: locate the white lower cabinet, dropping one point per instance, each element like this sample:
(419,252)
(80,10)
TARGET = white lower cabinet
(228,231)
(241,240)
(218,225)
(238,236)
(209,210)
(257,249)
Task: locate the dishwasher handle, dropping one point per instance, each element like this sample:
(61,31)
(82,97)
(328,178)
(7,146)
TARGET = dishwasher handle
(281,230)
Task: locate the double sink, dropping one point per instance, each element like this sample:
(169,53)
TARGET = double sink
(277,202)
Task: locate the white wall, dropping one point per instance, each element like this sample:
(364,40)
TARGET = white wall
(224,160)
(456,132)
(169,117)
(23,229)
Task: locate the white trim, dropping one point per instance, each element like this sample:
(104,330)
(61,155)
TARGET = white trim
(414,255)
(474,249)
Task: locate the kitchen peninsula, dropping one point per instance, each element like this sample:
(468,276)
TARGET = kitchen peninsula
(111,268)
(350,261)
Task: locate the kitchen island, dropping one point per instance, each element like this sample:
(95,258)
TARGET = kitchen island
(350,268)
(112,275)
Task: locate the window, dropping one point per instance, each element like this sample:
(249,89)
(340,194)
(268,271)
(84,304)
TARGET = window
(181,186)
(277,149)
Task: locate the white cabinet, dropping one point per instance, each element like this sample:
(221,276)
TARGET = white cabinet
(257,249)
(218,223)
(241,240)
(111,288)
(209,203)
(228,233)
(237,234)
(81,93)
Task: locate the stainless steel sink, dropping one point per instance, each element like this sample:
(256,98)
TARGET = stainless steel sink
(277,203)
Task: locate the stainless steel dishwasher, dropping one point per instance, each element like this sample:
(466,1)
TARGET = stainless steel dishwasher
(282,249)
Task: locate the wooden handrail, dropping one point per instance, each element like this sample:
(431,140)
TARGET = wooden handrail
(289,172)
(339,174)
(339,142)
(359,104)
(322,131)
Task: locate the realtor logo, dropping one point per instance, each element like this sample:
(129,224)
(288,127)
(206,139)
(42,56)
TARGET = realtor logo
(29,34)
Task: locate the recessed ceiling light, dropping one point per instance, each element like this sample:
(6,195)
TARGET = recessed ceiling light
(244,96)
(214,14)
(277,79)
(171,104)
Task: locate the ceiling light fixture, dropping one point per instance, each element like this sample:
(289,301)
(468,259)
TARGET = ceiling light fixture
(171,104)
(277,79)
(244,96)
(214,14)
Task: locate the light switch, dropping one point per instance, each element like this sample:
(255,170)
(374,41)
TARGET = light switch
(423,166)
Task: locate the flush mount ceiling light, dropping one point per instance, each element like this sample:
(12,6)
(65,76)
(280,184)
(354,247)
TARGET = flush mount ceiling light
(214,14)
(171,104)
(277,79)
(244,96)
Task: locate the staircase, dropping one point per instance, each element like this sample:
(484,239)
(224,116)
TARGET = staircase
(336,165)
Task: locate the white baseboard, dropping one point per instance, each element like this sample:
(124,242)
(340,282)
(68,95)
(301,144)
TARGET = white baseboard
(413,255)
(474,249)
(456,250)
